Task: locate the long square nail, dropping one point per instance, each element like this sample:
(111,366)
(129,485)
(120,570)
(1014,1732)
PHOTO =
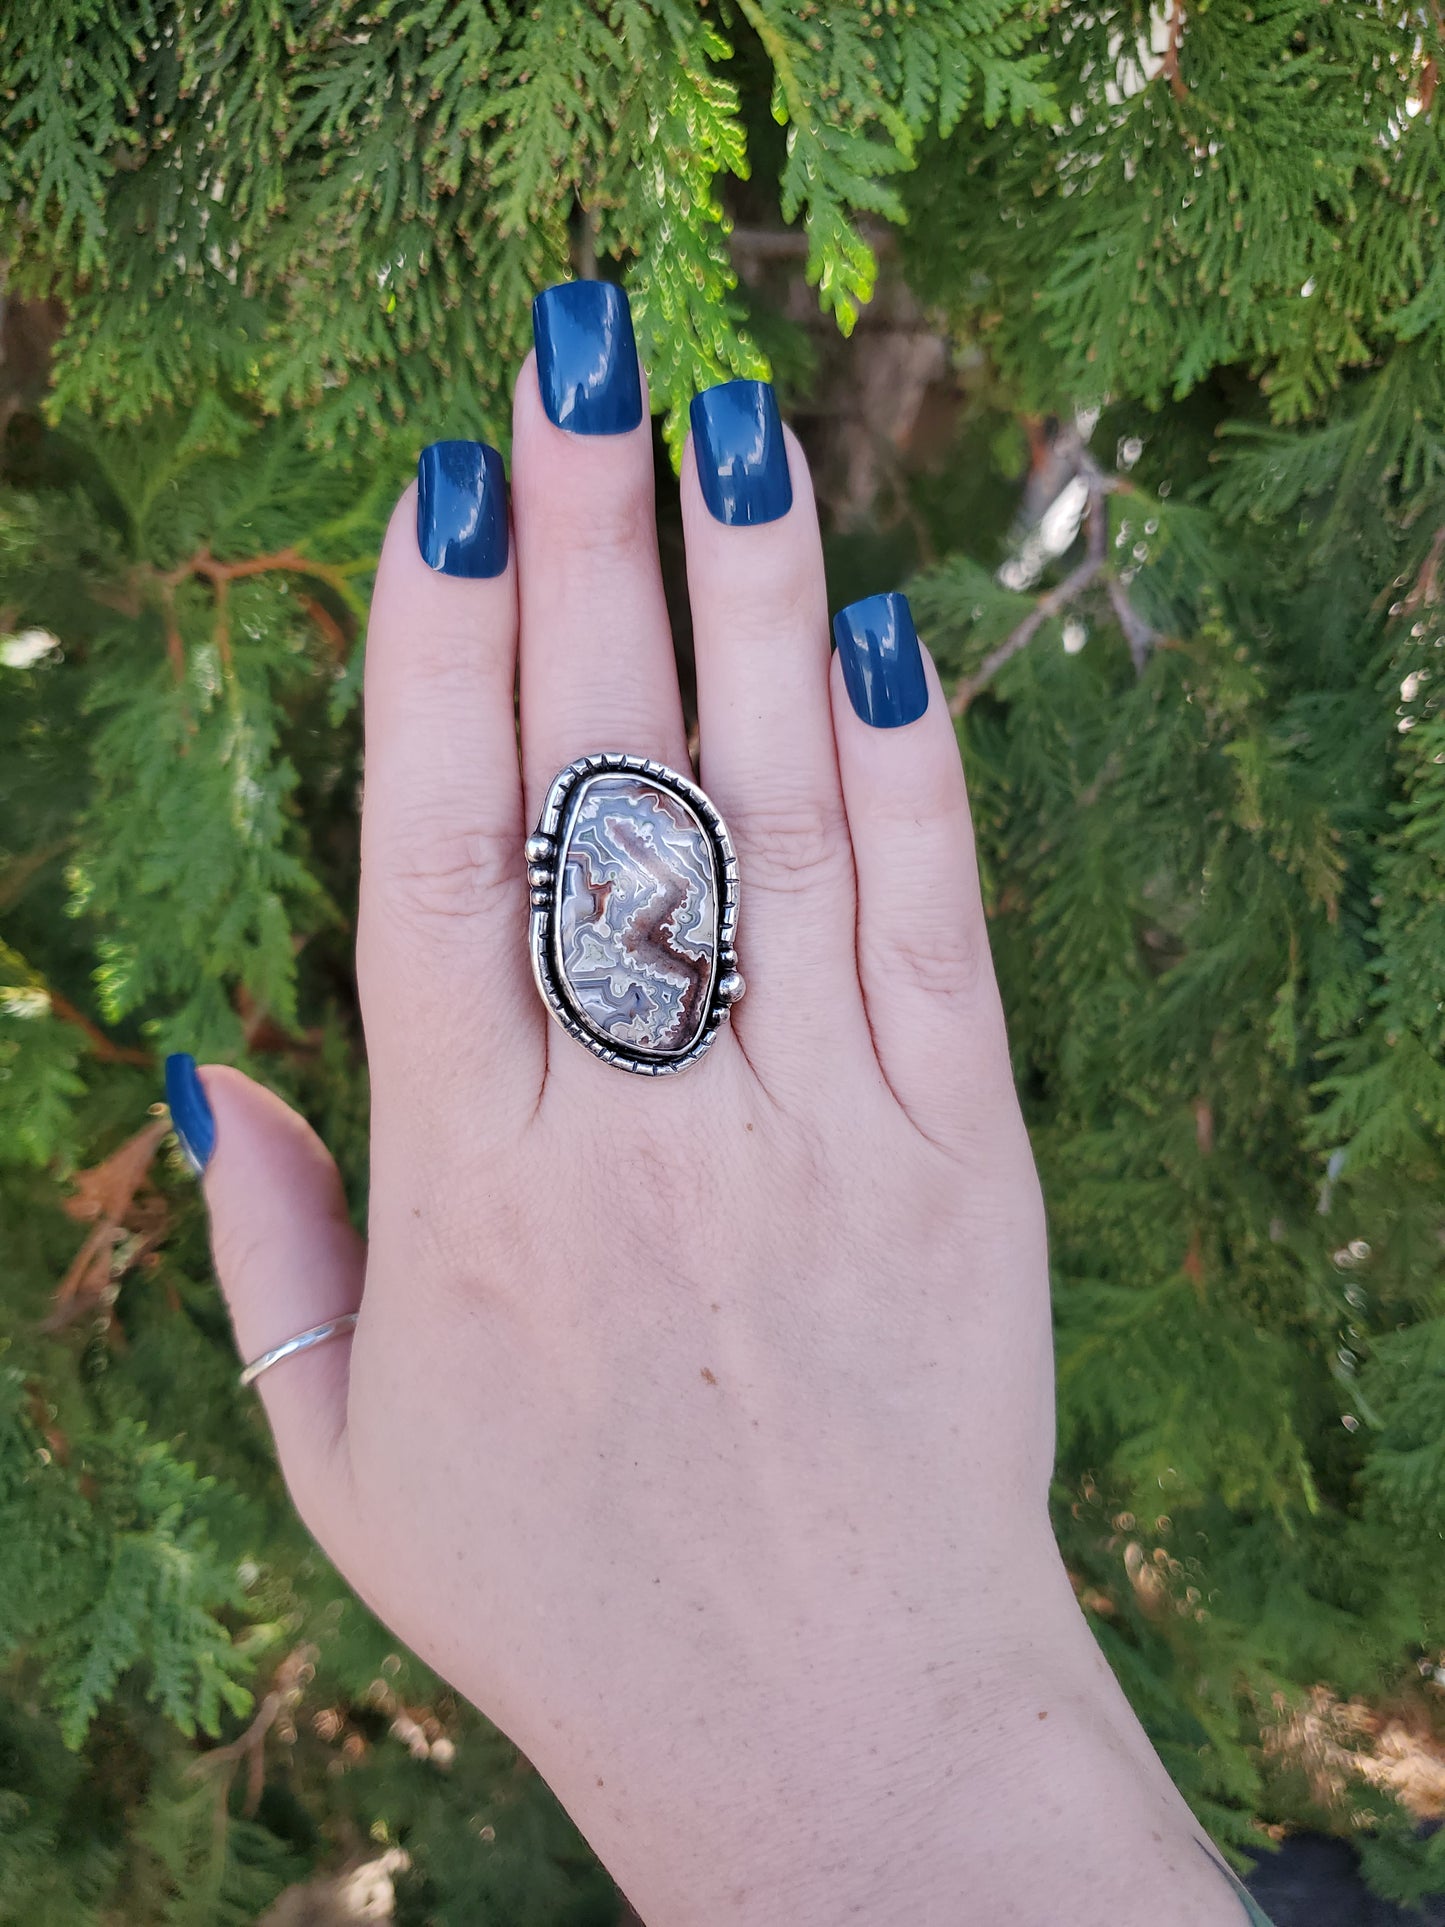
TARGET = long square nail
(882,662)
(461,509)
(587,358)
(190,1110)
(742,459)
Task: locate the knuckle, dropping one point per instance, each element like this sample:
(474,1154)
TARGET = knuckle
(445,667)
(440,875)
(616,519)
(798,843)
(758,608)
(942,964)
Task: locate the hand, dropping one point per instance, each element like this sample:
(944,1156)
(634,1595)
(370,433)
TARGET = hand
(697,1428)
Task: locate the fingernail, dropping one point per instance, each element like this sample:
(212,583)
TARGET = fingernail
(882,662)
(742,460)
(461,509)
(587,358)
(190,1110)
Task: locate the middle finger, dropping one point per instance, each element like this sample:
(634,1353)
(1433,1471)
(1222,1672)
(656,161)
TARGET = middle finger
(597,665)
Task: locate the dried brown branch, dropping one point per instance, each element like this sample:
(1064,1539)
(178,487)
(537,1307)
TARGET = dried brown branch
(109,1197)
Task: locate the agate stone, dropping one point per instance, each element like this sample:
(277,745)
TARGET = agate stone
(635,931)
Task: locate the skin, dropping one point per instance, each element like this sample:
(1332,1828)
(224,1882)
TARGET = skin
(699,1429)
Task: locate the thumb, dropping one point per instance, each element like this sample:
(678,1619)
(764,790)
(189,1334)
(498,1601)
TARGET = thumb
(288,1260)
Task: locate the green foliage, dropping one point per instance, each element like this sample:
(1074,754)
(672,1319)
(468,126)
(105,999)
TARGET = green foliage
(287,241)
(117,1573)
(488,1845)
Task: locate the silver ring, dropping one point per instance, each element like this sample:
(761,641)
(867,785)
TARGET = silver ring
(302,1342)
(633,931)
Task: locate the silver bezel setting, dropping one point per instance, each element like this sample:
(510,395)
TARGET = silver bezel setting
(543,849)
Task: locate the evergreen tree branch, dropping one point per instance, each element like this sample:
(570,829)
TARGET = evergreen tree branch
(1140,635)
(1050,604)
(103,1047)
(286,1689)
(220,575)
(1426,585)
(281,561)
(16,876)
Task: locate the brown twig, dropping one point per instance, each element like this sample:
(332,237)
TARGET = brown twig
(107,1051)
(1169,67)
(287,561)
(1430,72)
(220,575)
(287,1687)
(1426,588)
(106,1198)
(331,629)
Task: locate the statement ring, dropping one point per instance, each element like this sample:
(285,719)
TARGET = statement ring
(633,930)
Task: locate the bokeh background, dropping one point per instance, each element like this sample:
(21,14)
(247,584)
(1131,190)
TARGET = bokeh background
(1117,335)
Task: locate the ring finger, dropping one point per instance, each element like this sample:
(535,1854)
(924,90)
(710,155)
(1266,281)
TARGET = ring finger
(760,624)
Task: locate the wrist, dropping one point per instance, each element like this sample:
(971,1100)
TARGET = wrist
(927,1795)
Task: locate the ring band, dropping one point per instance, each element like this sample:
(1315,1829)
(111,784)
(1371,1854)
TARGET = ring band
(633,930)
(302,1342)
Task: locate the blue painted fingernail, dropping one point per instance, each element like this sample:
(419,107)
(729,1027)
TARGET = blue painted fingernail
(190,1110)
(742,460)
(461,509)
(587,358)
(882,662)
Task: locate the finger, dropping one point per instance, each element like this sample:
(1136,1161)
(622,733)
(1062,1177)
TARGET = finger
(443,974)
(597,666)
(923,957)
(288,1260)
(760,629)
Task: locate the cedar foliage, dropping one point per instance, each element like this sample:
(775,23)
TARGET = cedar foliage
(284,241)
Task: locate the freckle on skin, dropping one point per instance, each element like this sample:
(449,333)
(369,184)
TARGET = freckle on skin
(1043,1716)
(708,1377)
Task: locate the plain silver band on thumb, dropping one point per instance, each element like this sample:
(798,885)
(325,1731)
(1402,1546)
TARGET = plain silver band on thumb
(302,1342)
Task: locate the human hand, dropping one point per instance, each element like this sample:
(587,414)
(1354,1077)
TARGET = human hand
(697,1428)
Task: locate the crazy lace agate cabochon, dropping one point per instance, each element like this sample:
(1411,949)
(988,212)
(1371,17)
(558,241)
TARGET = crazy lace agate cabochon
(636,926)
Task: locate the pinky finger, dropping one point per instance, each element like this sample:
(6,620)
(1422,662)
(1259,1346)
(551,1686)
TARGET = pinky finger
(923,956)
